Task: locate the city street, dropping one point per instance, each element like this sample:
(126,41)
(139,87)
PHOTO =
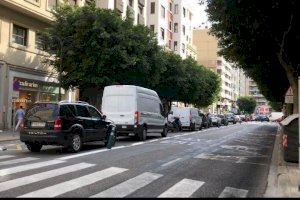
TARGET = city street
(230,161)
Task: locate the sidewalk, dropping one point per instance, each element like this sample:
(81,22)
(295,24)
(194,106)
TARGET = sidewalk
(9,135)
(284,177)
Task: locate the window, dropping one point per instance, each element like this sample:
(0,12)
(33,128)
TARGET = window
(162,33)
(152,28)
(175,27)
(72,109)
(170,26)
(170,44)
(65,111)
(131,3)
(163,12)
(183,48)
(39,41)
(170,7)
(175,46)
(183,12)
(19,35)
(152,10)
(94,113)
(82,111)
(176,9)
(52,4)
(183,29)
(72,2)
(141,9)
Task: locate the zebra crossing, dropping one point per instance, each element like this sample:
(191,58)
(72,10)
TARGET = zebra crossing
(86,174)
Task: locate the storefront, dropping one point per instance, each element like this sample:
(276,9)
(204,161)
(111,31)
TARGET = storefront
(26,89)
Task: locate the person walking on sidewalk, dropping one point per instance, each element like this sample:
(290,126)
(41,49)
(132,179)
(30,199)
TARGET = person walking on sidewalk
(20,113)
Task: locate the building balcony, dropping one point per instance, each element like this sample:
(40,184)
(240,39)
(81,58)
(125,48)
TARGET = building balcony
(142,2)
(31,8)
(119,5)
(141,19)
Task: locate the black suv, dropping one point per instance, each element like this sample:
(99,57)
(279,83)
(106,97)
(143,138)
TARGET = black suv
(224,120)
(64,123)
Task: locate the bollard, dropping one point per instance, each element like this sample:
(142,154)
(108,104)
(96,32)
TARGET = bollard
(111,137)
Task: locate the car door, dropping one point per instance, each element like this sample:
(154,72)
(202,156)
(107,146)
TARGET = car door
(99,124)
(83,118)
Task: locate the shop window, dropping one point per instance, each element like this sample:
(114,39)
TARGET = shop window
(19,35)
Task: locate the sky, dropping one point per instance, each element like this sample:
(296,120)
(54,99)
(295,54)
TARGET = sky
(200,16)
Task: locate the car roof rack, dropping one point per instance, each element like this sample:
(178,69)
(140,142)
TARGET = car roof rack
(67,101)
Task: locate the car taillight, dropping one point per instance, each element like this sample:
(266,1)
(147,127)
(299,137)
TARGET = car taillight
(136,117)
(57,124)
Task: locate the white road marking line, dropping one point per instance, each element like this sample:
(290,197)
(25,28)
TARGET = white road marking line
(233,192)
(137,143)
(19,160)
(6,156)
(129,186)
(184,188)
(73,184)
(82,154)
(42,176)
(171,162)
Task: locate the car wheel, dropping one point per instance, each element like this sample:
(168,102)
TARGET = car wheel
(192,127)
(33,147)
(142,136)
(76,143)
(200,127)
(164,132)
(219,125)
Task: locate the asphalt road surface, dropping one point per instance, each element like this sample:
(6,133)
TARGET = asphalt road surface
(230,161)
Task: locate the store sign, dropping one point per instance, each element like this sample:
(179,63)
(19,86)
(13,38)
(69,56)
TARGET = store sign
(29,84)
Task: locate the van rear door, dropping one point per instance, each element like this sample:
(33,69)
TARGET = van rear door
(120,109)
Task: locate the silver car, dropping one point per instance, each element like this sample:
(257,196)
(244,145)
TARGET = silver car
(215,120)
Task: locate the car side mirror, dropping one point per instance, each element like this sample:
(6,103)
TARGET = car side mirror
(104,117)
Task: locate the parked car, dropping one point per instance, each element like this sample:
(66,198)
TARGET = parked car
(276,117)
(248,118)
(189,117)
(216,121)
(231,118)
(135,110)
(262,118)
(69,124)
(206,120)
(242,117)
(224,120)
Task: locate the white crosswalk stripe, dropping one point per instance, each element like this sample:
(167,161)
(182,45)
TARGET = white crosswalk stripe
(6,156)
(19,160)
(233,192)
(73,184)
(184,188)
(42,176)
(129,186)
(22,168)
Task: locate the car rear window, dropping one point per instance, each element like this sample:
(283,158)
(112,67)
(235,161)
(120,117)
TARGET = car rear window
(42,112)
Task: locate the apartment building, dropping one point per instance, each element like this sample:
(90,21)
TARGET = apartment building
(136,8)
(207,48)
(254,91)
(24,78)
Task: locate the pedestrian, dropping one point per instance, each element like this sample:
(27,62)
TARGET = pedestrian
(20,113)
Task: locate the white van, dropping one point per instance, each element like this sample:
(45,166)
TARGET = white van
(135,110)
(189,117)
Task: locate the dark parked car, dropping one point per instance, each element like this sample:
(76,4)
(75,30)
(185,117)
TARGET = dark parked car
(224,120)
(231,118)
(67,124)
(262,118)
(206,120)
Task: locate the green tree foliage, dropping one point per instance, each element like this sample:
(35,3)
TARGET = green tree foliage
(101,49)
(246,104)
(260,37)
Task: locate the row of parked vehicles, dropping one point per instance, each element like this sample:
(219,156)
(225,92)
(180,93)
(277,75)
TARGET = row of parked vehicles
(129,110)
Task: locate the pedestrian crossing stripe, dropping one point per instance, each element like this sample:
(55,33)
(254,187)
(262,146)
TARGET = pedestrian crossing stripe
(233,192)
(76,183)
(129,186)
(19,160)
(6,156)
(42,176)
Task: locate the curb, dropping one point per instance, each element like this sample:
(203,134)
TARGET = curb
(272,183)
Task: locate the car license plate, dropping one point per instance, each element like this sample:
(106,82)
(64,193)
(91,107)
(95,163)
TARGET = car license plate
(124,126)
(38,124)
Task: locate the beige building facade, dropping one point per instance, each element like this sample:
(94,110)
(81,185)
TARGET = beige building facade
(24,78)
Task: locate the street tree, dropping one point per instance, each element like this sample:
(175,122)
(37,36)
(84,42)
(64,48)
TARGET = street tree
(261,37)
(246,104)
